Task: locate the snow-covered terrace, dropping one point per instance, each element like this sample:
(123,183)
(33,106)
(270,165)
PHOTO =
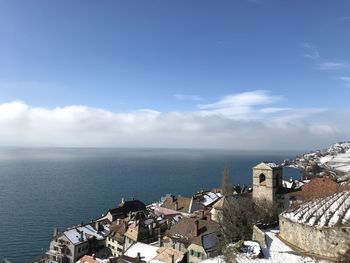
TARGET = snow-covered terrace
(329,211)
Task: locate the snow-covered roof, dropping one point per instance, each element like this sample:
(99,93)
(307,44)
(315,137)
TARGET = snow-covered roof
(327,211)
(146,251)
(90,259)
(210,198)
(289,184)
(74,234)
(271,164)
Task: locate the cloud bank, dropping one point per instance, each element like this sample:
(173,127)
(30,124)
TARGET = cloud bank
(250,120)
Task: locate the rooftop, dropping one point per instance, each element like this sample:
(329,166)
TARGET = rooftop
(86,232)
(147,252)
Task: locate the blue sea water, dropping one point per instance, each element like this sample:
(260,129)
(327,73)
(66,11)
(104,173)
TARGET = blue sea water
(46,187)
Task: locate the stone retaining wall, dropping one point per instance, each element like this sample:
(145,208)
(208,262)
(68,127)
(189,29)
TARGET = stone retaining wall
(329,242)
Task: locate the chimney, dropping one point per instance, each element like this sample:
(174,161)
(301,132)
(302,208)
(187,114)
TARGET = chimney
(55,231)
(122,202)
(172,258)
(196,228)
(202,214)
(138,256)
(129,215)
(190,206)
(93,256)
(176,205)
(81,236)
(118,221)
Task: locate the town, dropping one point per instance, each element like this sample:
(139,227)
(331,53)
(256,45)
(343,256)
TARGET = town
(302,220)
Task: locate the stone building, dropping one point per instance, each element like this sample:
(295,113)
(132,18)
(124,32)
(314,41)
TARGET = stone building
(268,187)
(182,204)
(267,180)
(115,241)
(73,243)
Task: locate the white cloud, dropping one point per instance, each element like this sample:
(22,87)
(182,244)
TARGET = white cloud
(345,78)
(239,106)
(188,97)
(237,121)
(322,63)
(331,65)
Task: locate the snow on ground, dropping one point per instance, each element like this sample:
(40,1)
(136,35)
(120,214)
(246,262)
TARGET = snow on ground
(276,252)
(323,212)
(340,162)
(326,159)
(252,248)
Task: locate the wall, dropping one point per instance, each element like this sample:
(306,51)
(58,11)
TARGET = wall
(114,245)
(193,258)
(330,242)
(259,236)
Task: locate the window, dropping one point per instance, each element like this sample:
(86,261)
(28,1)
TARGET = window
(262,179)
(191,252)
(198,254)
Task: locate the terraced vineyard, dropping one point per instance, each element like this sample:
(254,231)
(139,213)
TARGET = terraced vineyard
(330,211)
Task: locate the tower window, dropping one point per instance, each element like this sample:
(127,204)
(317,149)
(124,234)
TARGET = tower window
(262,179)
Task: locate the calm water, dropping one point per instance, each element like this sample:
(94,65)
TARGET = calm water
(43,188)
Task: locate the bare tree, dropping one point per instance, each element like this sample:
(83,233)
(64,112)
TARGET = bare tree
(226,186)
(239,217)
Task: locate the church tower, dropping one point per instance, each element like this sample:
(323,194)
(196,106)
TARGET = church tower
(267,179)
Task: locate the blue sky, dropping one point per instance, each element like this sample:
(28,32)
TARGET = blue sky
(177,57)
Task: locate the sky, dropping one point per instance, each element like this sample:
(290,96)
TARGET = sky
(240,75)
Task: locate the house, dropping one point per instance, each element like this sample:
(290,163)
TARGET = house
(202,248)
(73,243)
(207,198)
(216,213)
(144,229)
(123,210)
(137,227)
(182,204)
(169,255)
(189,233)
(317,188)
(115,241)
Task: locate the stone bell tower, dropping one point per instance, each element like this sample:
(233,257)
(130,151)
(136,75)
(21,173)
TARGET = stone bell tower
(267,179)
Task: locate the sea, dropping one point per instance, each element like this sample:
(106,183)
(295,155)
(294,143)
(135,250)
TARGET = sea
(43,188)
